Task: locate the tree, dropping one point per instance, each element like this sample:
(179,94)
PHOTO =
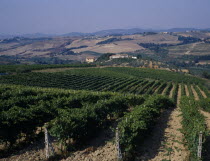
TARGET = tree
(139,56)
(104,57)
(205,75)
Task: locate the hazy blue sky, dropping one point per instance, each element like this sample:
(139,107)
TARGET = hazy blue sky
(63,16)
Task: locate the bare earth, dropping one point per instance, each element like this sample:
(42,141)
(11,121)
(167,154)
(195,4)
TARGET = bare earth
(104,153)
(195,93)
(191,48)
(187,92)
(101,148)
(32,153)
(164,90)
(171,93)
(202,92)
(207,115)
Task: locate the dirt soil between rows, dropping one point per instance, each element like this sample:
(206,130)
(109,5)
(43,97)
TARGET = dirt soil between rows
(187,91)
(195,93)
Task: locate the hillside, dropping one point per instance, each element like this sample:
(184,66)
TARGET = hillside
(176,51)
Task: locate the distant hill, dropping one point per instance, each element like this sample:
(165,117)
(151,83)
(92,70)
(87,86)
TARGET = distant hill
(78,34)
(35,35)
(122,31)
(104,32)
(132,31)
(6,36)
(186,29)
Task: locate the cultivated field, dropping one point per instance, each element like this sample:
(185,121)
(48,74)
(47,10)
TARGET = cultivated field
(81,106)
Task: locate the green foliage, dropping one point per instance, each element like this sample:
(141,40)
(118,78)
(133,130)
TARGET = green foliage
(23,109)
(205,104)
(175,92)
(80,81)
(22,70)
(81,124)
(183,92)
(104,57)
(157,48)
(206,75)
(188,40)
(204,89)
(135,125)
(126,80)
(14,68)
(193,122)
(152,88)
(91,78)
(168,89)
(200,96)
(161,87)
(108,41)
(155,74)
(190,90)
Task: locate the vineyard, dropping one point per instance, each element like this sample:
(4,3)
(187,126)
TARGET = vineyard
(77,105)
(135,81)
(23,110)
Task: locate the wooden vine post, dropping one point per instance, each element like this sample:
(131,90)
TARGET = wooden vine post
(200,146)
(119,154)
(48,145)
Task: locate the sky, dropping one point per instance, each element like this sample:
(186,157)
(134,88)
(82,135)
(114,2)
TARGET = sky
(65,16)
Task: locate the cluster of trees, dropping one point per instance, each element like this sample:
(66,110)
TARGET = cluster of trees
(5,59)
(207,40)
(206,75)
(104,57)
(80,47)
(111,40)
(157,48)
(50,60)
(188,40)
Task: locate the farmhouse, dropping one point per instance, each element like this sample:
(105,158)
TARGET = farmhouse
(90,59)
(119,56)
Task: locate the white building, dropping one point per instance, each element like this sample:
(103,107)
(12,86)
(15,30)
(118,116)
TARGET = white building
(117,56)
(90,59)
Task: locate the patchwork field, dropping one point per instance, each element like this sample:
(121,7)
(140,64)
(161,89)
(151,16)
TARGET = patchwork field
(28,50)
